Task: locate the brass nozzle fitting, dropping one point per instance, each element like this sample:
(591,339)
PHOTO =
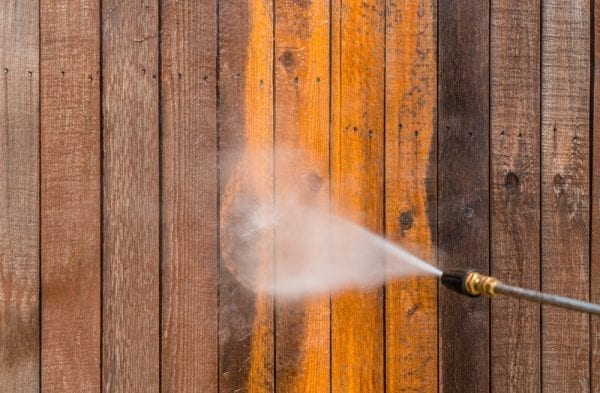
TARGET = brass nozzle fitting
(478,284)
(470,283)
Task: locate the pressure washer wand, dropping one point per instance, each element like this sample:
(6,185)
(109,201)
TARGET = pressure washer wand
(473,283)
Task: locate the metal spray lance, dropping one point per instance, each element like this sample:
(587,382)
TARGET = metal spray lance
(473,283)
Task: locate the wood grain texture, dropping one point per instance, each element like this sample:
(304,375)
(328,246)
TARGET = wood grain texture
(565,191)
(357,170)
(595,205)
(189,194)
(19,196)
(130,324)
(246,323)
(70,202)
(463,189)
(410,192)
(302,174)
(515,191)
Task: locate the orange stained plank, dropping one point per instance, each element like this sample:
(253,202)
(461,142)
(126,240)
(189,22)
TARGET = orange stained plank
(246,317)
(302,172)
(411,304)
(259,134)
(357,153)
(71,227)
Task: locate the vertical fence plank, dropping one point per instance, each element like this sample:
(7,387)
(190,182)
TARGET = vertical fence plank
(301,173)
(565,190)
(131,334)
(19,196)
(595,204)
(246,332)
(463,203)
(70,203)
(357,169)
(410,191)
(515,193)
(189,194)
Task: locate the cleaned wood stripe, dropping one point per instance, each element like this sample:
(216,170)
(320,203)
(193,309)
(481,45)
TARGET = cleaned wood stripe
(357,170)
(410,192)
(246,322)
(301,183)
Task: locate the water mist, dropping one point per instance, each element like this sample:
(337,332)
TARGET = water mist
(314,251)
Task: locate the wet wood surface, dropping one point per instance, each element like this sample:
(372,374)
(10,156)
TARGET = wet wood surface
(246,317)
(357,193)
(140,140)
(411,339)
(463,188)
(301,172)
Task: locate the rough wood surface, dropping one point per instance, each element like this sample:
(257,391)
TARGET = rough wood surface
(302,173)
(463,189)
(565,191)
(19,196)
(410,192)
(515,191)
(165,129)
(357,170)
(189,196)
(595,206)
(70,195)
(130,324)
(246,331)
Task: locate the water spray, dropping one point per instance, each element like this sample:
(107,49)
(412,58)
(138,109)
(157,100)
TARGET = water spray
(472,283)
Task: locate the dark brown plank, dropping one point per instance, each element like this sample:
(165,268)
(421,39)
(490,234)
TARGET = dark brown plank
(246,331)
(410,192)
(515,193)
(70,203)
(301,174)
(130,324)
(357,170)
(19,196)
(189,195)
(565,191)
(463,204)
(595,205)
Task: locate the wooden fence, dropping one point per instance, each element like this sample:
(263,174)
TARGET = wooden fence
(463,127)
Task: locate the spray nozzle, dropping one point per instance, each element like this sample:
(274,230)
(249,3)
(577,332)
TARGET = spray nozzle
(469,282)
